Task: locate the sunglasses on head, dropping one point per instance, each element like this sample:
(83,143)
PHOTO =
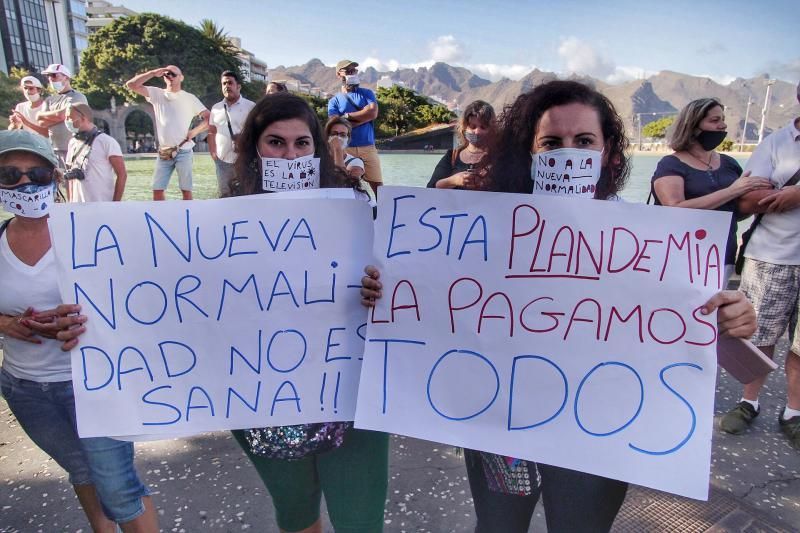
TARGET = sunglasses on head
(170,74)
(37,175)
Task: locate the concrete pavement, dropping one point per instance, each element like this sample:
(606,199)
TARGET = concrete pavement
(205,483)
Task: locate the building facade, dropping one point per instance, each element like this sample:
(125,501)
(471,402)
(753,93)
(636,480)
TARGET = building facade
(36,33)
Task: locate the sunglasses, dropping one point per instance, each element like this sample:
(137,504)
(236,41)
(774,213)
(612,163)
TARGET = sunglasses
(38,175)
(170,74)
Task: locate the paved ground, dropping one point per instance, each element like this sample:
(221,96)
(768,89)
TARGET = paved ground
(206,484)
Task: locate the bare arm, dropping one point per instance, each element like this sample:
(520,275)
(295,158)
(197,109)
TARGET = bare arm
(212,141)
(118,164)
(51,118)
(203,126)
(35,127)
(670,192)
(136,83)
(367,114)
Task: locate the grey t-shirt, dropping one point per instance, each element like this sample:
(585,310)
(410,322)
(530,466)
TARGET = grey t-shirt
(60,134)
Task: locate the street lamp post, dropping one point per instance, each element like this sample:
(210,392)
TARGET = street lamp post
(744,129)
(764,111)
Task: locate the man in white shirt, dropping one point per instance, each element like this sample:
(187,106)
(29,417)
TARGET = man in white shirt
(174,109)
(224,125)
(93,161)
(771,275)
(54,113)
(24,116)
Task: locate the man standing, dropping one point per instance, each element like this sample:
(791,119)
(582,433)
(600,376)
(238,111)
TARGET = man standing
(360,108)
(224,126)
(54,112)
(93,159)
(771,275)
(174,109)
(25,114)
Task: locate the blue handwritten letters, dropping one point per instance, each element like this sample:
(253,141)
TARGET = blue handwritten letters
(214,315)
(561,330)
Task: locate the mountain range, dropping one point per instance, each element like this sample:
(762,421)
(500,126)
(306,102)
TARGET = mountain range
(637,101)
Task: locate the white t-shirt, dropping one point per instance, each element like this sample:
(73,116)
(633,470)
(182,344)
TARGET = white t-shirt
(776,240)
(238,113)
(100,177)
(174,114)
(28,111)
(353,162)
(23,286)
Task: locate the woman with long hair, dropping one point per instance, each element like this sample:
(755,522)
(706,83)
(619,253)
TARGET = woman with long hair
(558,115)
(695,175)
(456,169)
(300,463)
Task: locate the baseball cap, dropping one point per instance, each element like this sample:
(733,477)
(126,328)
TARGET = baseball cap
(25,141)
(344,63)
(57,68)
(33,80)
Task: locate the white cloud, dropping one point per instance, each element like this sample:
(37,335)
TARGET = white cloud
(377,64)
(494,72)
(448,49)
(579,57)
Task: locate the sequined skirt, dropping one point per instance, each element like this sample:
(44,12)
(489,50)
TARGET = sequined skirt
(296,442)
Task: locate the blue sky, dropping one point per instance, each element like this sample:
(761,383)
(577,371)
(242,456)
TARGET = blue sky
(614,40)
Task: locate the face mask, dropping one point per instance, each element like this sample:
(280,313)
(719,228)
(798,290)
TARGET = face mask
(289,174)
(711,139)
(352,79)
(32,97)
(28,200)
(70,126)
(566,172)
(344,141)
(58,86)
(473,138)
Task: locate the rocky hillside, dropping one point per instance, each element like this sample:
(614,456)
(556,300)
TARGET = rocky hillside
(659,95)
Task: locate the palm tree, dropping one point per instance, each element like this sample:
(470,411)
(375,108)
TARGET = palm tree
(218,36)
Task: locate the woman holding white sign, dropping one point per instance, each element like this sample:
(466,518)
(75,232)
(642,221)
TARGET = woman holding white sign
(39,331)
(299,464)
(697,176)
(584,141)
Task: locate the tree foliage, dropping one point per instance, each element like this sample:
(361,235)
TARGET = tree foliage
(131,45)
(726,145)
(402,110)
(217,34)
(658,128)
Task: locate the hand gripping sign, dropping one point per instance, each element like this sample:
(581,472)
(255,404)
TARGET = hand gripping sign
(552,329)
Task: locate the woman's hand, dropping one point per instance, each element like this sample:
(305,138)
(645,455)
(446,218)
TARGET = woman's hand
(64,323)
(459,179)
(14,327)
(335,147)
(735,314)
(370,286)
(747,183)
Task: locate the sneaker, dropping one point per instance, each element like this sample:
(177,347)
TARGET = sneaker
(791,428)
(738,419)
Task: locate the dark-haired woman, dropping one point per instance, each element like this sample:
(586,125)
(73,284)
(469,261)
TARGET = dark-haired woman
(696,175)
(299,464)
(553,116)
(456,169)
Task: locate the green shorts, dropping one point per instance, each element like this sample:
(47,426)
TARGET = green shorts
(353,478)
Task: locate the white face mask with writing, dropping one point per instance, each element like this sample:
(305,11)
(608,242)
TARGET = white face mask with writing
(279,174)
(570,172)
(28,200)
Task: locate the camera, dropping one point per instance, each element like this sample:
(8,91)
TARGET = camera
(74,174)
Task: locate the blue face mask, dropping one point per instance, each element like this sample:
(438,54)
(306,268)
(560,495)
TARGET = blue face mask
(28,200)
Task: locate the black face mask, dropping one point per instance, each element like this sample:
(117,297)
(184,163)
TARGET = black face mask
(711,139)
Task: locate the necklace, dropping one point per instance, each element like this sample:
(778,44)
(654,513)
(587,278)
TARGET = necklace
(709,167)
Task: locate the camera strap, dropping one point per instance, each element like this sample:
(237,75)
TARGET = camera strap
(85,149)
(230,130)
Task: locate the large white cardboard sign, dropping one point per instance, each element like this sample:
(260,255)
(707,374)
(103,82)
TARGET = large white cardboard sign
(560,330)
(216,314)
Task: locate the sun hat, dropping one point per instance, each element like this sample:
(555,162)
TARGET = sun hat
(33,80)
(344,63)
(25,141)
(57,68)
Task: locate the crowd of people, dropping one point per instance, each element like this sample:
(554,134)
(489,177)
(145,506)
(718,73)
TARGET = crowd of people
(53,140)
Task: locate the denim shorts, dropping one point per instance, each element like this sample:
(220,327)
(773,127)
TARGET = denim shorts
(46,412)
(163,172)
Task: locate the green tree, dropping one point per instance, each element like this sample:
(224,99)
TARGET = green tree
(218,35)
(658,128)
(9,97)
(434,114)
(253,90)
(131,45)
(402,110)
(726,145)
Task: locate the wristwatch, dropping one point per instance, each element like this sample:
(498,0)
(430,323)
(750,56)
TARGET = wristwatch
(347,116)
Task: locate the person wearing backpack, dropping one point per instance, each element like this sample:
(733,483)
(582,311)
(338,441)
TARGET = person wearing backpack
(95,166)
